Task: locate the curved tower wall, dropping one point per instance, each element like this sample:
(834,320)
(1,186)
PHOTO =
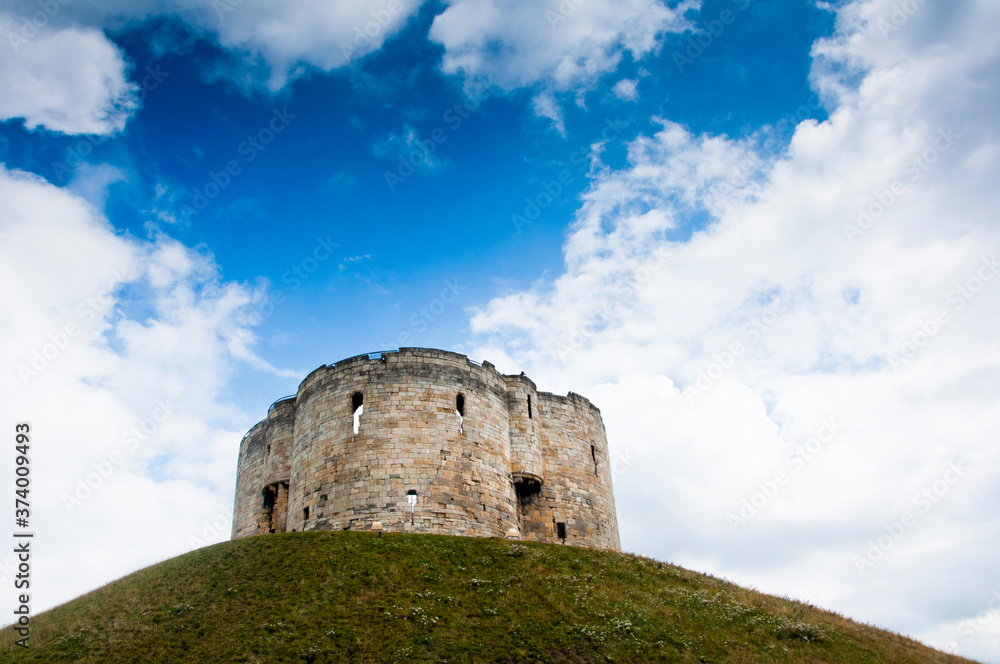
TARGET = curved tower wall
(582,496)
(409,438)
(522,413)
(265,463)
(482,474)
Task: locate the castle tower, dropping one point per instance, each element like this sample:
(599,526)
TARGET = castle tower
(478,452)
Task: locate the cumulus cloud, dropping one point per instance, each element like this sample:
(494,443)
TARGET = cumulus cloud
(71,80)
(321,34)
(93,180)
(559,44)
(285,38)
(831,327)
(118,353)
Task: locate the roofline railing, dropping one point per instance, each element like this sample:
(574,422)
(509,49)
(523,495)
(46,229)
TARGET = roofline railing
(378,354)
(277,401)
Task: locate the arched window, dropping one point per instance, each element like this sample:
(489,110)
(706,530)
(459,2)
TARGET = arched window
(460,409)
(357,407)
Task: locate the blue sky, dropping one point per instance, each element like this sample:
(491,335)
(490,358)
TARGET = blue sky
(323,176)
(742,228)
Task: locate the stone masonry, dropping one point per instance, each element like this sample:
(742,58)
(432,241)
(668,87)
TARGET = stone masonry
(480,453)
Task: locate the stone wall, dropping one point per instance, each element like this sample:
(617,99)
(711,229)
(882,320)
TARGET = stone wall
(495,468)
(577,491)
(522,405)
(265,456)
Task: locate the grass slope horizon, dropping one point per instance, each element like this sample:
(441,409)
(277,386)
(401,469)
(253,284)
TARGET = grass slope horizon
(351,596)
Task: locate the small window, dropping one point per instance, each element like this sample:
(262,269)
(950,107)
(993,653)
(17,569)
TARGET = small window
(593,454)
(411,498)
(460,409)
(561,531)
(268,453)
(305,513)
(357,407)
(529,406)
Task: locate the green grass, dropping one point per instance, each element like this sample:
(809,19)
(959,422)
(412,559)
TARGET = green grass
(352,597)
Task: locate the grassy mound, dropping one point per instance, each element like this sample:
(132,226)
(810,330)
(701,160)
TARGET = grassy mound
(353,597)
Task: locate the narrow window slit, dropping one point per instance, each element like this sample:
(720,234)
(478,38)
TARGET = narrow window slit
(411,498)
(357,407)
(529,407)
(593,454)
(460,409)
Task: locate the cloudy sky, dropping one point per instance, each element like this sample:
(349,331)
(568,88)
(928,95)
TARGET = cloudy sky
(760,235)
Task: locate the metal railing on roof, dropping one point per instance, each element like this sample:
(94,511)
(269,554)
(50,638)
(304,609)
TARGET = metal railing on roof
(277,401)
(377,354)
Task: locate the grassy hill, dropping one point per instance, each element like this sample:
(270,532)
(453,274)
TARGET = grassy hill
(352,597)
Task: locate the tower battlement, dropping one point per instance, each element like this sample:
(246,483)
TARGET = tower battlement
(482,452)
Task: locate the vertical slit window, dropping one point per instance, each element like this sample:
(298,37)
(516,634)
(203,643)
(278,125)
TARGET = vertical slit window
(460,409)
(305,513)
(529,406)
(593,455)
(357,407)
(411,498)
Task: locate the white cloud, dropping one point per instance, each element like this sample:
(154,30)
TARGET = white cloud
(626,89)
(560,44)
(287,38)
(321,34)
(92,181)
(70,80)
(118,352)
(644,312)
(546,106)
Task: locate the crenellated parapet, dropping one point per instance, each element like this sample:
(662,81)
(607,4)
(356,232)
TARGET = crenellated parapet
(480,453)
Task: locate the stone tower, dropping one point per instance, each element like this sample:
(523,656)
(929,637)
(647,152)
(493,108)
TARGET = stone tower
(478,453)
